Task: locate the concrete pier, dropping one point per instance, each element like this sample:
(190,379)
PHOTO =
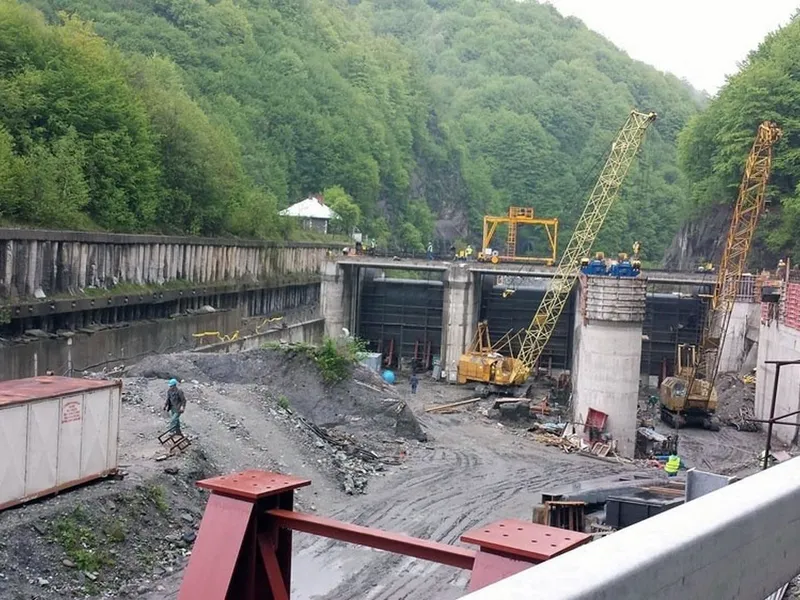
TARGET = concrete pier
(338,295)
(607,354)
(461,304)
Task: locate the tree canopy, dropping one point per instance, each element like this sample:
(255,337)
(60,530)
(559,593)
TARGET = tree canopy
(715,144)
(207,116)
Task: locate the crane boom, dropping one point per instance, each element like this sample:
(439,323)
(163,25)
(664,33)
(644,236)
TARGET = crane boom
(748,208)
(603,195)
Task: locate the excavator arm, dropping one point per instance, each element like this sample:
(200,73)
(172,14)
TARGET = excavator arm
(603,195)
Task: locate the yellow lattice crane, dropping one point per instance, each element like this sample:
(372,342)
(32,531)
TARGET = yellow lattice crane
(603,195)
(690,396)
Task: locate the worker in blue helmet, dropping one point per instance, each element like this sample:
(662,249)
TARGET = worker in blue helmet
(175,404)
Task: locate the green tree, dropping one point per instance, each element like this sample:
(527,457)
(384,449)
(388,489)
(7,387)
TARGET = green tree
(342,204)
(715,144)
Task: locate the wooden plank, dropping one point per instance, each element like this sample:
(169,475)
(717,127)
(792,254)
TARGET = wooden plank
(440,407)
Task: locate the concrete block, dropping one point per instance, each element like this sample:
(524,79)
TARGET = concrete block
(700,483)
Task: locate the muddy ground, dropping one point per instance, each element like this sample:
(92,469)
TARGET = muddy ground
(434,476)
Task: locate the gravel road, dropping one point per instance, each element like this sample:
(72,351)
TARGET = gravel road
(470,471)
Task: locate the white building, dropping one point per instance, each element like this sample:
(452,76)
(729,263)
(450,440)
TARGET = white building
(313,213)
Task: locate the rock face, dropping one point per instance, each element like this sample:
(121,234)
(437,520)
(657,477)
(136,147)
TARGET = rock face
(699,239)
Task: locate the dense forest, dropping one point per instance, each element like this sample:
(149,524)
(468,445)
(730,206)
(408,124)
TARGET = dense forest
(714,145)
(415,117)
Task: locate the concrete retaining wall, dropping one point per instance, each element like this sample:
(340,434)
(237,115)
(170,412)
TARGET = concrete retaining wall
(778,342)
(36,262)
(308,332)
(128,345)
(743,333)
(111,347)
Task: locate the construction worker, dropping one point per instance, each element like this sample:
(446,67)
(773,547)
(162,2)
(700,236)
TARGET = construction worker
(672,465)
(430,250)
(414,381)
(468,252)
(175,404)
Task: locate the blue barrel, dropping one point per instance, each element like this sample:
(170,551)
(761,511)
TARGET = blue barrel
(388,377)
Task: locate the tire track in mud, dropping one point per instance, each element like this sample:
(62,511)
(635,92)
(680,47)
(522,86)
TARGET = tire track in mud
(476,475)
(719,450)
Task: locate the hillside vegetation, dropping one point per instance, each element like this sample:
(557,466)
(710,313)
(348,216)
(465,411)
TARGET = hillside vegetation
(714,146)
(417,116)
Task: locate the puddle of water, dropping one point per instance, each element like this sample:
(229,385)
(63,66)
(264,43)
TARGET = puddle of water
(313,577)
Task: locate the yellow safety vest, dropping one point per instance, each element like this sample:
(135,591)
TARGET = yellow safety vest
(673,464)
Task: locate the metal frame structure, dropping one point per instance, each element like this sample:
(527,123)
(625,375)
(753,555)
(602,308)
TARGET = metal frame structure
(403,315)
(243,550)
(517,216)
(746,212)
(603,196)
(773,420)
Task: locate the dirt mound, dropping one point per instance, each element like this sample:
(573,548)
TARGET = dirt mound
(362,404)
(111,538)
(736,402)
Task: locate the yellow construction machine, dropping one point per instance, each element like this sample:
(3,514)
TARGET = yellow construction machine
(685,399)
(486,364)
(483,363)
(689,397)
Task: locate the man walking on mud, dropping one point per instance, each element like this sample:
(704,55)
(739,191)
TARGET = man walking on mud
(175,404)
(414,381)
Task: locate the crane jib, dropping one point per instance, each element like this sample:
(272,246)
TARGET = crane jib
(602,197)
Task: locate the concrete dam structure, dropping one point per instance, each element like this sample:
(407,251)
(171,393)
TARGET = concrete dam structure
(615,334)
(77,300)
(84,301)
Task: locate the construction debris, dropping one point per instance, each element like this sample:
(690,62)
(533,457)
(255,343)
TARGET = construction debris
(650,443)
(736,404)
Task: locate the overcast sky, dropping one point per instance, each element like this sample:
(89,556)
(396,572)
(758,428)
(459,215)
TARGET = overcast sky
(700,40)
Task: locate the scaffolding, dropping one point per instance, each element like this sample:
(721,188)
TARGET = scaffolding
(517,216)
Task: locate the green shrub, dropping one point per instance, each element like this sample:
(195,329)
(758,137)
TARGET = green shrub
(335,358)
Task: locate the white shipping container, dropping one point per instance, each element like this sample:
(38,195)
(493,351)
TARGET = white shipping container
(55,433)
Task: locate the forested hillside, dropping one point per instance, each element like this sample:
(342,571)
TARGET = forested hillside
(207,116)
(715,144)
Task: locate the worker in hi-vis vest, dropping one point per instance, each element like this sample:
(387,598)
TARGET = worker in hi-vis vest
(673,465)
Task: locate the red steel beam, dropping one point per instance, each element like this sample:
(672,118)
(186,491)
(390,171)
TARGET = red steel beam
(463,558)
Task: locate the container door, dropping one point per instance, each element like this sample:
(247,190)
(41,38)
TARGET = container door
(43,419)
(113,426)
(69,442)
(13,430)
(94,451)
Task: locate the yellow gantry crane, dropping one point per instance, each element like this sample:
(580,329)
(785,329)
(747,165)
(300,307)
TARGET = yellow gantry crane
(605,192)
(690,395)
(517,216)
